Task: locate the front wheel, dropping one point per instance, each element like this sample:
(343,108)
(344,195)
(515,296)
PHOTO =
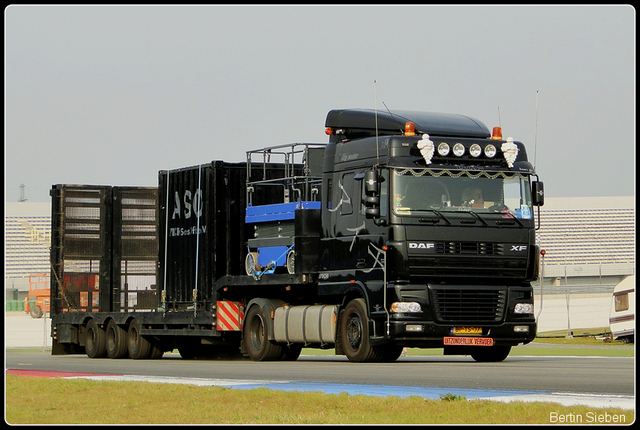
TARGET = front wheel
(391,353)
(255,337)
(354,333)
(491,354)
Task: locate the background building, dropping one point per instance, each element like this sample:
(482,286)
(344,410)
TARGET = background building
(27,238)
(588,240)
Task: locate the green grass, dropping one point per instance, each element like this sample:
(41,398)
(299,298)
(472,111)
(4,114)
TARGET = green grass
(76,401)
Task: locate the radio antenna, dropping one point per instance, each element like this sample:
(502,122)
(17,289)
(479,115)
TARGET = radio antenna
(499,120)
(394,118)
(535,138)
(375,109)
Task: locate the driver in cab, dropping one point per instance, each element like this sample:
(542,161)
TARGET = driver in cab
(472,197)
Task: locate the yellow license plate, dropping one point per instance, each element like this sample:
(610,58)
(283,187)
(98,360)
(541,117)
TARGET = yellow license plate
(467,330)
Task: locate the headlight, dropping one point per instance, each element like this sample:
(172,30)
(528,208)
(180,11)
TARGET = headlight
(458,149)
(443,149)
(490,151)
(475,150)
(406,307)
(523,308)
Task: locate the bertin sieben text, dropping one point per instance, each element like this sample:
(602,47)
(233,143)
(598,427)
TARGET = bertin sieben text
(587,418)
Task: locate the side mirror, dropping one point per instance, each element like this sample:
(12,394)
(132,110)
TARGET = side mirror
(371,183)
(537,191)
(372,207)
(371,198)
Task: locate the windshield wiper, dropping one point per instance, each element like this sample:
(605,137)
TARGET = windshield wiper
(437,213)
(513,217)
(479,217)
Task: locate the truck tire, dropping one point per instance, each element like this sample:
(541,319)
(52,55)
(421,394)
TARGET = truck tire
(139,346)
(157,349)
(256,337)
(354,333)
(391,353)
(117,342)
(189,348)
(35,311)
(491,354)
(291,353)
(95,342)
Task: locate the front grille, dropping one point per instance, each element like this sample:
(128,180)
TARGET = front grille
(470,248)
(469,304)
(463,266)
(466,259)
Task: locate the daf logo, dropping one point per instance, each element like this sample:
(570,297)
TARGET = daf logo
(518,248)
(421,245)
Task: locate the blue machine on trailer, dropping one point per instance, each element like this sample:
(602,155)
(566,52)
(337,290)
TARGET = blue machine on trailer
(273,242)
(275,251)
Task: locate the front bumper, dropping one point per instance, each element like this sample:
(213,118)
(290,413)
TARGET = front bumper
(427,334)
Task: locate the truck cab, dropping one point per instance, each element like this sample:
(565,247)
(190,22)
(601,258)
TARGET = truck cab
(430,219)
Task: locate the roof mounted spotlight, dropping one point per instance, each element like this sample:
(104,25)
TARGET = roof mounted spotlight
(475,150)
(443,149)
(490,151)
(458,149)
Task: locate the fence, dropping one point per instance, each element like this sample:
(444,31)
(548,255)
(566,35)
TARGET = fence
(18,305)
(571,308)
(15,305)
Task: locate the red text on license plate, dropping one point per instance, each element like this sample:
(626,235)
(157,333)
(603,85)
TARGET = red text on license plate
(468,341)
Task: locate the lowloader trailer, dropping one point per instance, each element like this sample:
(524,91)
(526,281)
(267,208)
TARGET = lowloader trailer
(407,229)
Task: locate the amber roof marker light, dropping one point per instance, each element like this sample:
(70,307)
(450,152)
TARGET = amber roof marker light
(409,129)
(497,133)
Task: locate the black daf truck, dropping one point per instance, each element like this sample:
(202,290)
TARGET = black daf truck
(408,229)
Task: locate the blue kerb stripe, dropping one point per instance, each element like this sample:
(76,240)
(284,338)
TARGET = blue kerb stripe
(277,212)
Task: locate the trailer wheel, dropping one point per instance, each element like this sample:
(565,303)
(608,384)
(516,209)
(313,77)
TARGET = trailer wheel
(157,349)
(95,344)
(354,333)
(491,354)
(117,345)
(139,346)
(256,337)
(35,311)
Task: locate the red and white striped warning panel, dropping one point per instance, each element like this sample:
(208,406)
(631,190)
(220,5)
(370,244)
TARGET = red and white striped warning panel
(230,316)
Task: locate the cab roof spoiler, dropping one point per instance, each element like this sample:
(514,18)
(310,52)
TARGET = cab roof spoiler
(358,123)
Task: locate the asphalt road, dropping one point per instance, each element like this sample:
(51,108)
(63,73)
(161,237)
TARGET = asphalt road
(588,375)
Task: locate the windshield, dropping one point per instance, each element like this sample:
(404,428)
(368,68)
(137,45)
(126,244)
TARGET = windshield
(419,191)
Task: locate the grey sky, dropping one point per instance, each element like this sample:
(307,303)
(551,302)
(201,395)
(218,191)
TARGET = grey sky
(110,95)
